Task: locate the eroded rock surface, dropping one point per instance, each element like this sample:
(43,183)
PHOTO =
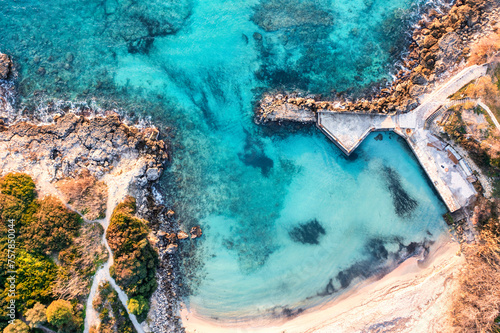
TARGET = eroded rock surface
(73,142)
(5,65)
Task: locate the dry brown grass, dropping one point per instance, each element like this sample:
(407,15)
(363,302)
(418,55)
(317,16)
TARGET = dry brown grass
(477,302)
(85,194)
(483,88)
(482,51)
(79,263)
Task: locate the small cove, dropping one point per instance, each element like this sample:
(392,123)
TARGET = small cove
(250,188)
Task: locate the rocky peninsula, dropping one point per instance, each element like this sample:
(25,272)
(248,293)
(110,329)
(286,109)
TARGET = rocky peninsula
(91,163)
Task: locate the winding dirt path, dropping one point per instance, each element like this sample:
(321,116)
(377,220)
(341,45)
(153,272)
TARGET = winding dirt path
(117,191)
(492,116)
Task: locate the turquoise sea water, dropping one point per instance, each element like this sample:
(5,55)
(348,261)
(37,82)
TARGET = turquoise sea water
(288,221)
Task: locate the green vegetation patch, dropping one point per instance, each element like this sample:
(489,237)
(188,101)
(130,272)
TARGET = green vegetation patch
(52,227)
(135,260)
(45,229)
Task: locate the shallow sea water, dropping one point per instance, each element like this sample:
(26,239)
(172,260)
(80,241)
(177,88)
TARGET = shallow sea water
(288,221)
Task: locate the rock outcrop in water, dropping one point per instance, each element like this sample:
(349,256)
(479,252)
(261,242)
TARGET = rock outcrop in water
(439,43)
(7,87)
(5,65)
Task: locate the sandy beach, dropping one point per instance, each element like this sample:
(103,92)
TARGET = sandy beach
(414,297)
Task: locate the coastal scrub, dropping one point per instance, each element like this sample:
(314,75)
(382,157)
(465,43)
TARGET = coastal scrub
(135,260)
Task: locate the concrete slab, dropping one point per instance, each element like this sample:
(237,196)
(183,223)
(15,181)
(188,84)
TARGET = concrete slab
(348,130)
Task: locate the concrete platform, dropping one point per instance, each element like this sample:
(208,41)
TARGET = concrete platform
(444,167)
(348,130)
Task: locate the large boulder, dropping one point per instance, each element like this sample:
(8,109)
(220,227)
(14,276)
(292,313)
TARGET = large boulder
(182,235)
(418,79)
(451,47)
(428,42)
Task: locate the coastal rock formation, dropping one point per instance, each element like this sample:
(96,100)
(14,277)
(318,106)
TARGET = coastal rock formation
(172,248)
(74,142)
(196,232)
(7,88)
(439,43)
(182,235)
(5,65)
(127,159)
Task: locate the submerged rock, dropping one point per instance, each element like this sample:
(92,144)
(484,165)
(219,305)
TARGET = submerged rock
(273,15)
(253,155)
(307,233)
(404,204)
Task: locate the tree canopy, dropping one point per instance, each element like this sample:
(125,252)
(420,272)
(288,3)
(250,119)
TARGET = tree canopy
(60,313)
(52,227)
(135,259)
(36,315)
(17,327)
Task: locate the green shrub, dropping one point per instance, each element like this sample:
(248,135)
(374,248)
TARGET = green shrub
(35,275)
(448,218)
(135,260)
(139,307)
(19,185)
(60,313)
(52,227)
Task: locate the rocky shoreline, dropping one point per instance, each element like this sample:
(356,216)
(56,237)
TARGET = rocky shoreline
(106,147)
(440,43)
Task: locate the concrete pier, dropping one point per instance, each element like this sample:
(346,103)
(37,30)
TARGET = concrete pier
(447,171)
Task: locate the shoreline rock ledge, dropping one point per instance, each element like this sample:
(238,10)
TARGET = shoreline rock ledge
(5,66)
(74,142)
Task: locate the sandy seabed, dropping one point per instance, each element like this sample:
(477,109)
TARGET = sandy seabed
(414,297)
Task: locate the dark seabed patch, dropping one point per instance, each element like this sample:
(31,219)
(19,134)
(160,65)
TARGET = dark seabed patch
(253,155)
(376,249)
(285,312)
(379,262)
(307,233)
(403,203)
